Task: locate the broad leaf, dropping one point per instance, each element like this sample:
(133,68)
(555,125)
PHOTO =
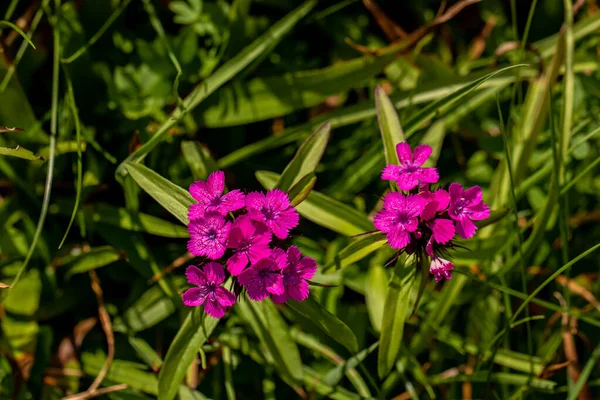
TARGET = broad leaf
(96,258)
(300,191)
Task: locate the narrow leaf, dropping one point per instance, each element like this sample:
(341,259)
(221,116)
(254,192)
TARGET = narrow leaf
(19,152)
(357,250)
(389,125)
(394,315)
(300,191)
(306,159)
(191,336)
(311,310)
(173,198)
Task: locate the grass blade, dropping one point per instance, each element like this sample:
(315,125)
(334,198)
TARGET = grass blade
(389,126)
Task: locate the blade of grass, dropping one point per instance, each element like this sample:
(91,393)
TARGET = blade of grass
(585,374)
(50,173)
(19,31)
(75,115)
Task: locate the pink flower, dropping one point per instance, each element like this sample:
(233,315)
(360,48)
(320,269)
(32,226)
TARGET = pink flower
(399,217)
(210,197)
(409,172)
(208,236)
(441,268)
(209,290)
(274,210)
(442,229)
(467,206)
(264,277)
(251,243)
(295,274)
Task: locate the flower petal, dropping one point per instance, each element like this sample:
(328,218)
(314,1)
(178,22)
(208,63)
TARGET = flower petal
(214,273)
(307,268)
(200,192)
(299,292)
(391,172)
(224,296)
(456,191)
(215,184)
(280,298)
(443,199)
(196,211)
(231,201)
(195,276)
(429,175)
(398,238)
(443,230)
(193,297)
(407,180)
(473,195)
(236,263)
(422,153)
(214,308)
(404,153)
(479,211)
(466,228)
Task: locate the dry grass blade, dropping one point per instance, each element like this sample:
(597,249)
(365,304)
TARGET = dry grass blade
(4,286)
(391,29)
(4,129)
(93,390)
(478,45)
(412,39)
(569,327)
(178,262)
(578,290)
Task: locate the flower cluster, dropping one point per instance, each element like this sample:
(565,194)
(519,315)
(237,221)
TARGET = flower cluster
(424,221)
(236,231)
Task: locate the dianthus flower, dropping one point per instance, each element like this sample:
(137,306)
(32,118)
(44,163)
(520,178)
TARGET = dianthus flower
(210,197)
(467,206)
(409,173)
(208,236)
(425,222)
(209,291)
(295,275)
(250,241)
(264,277)
(274,210)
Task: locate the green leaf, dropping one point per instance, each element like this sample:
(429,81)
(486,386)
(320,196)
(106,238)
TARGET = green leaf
(261,98)
(357,250)
(324,210)
(151,308)
(198,158)
(300,191)
(311,310)
(145,352)
(173,198)
(375,294)
(389,126)
(434,137)
(227,71)
(306,159)
(19,152)
(394,315)
(97,257)
(191,336)
(273,333)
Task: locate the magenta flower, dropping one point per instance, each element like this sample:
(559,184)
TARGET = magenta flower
(409,173)
(251,243)
(274,210)
(441,268)
(210,197)
(209,291)
(467,206)
(208,236)
(399,217)
(264,277)
(442,229)
(295,274)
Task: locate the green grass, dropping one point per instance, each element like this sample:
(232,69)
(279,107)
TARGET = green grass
(124,104)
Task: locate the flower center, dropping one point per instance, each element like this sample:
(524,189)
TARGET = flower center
(409,167)
(245,246)
(216,201)
(401,218)
(212,234)
(269,213)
